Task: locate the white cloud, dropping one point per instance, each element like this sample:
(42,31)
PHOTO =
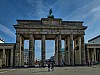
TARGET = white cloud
(1,37)
(96,9)
(84,11)
(90,14)
(7,31)
(60,3)
(40,8)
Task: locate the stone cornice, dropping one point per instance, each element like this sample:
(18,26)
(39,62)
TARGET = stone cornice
(88,44)
(7,43)
(50,27)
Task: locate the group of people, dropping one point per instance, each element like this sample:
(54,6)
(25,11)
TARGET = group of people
(50,66)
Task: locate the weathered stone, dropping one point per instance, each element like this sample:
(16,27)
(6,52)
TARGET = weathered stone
(56,50)
(51,28)
(59,50)
(31,50)
(43,50)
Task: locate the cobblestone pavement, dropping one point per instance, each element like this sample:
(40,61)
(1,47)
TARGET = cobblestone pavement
(80,70)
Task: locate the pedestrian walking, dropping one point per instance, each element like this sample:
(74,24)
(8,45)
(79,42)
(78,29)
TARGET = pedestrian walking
(39,64)
(52,66)
(88,63)
(49,66)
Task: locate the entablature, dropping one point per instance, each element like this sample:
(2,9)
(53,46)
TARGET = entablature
(49,23)
(50,27)
(49,31)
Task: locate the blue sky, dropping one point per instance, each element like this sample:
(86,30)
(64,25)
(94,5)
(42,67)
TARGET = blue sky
(69,10)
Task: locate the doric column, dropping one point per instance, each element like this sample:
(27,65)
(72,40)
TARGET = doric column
(72,50)
(59,51)
(94,54)
(98,51)
(83,50)
(66,52)
(75,51)
(11,61)
(18,50)
(4,57)
(56,51)
(31,50)
(22,51)
(22,56)
(69,51)
(88,55)
(80,58)
(43,50)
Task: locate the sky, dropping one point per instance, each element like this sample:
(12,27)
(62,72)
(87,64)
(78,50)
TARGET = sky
(87,11)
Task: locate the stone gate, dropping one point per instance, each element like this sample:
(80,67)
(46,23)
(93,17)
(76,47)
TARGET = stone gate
(72,32)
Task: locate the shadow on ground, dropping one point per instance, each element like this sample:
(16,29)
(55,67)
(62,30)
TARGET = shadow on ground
(39,71)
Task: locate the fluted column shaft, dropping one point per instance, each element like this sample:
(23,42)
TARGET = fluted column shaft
(66,52)
(88,55)
(11,58)
(56,51)
(31,50)
(4,57)
(43,51)
(71,49)
(80,56)
(83,50)
(59,50)
(94,54)
(18,50)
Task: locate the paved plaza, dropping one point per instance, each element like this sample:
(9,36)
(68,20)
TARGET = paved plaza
(93,70)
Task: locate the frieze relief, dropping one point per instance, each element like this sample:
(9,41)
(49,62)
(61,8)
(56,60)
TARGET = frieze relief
(45,31)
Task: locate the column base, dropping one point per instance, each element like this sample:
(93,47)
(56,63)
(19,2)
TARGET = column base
(18,67)
(77,65)
(31,66)
(59,65)
(43,65)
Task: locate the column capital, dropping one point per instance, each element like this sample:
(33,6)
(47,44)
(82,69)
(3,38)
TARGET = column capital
(17,33)
(43,35)
(31,35)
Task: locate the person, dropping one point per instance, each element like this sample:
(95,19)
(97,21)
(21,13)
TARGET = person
(88,63)
(39,64)
(52,66)
(49,66)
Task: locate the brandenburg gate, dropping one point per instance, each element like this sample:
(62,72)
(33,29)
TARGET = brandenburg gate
(50,28)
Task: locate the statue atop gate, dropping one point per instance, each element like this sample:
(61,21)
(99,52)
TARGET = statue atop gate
(50,13)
